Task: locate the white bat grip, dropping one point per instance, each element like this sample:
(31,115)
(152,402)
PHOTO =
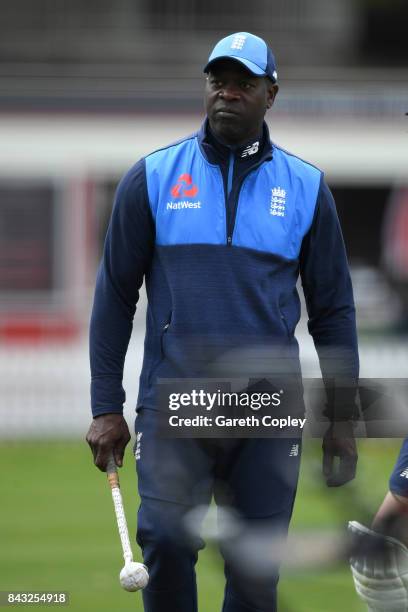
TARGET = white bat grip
(122,525)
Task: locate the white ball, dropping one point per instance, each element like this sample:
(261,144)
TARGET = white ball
(134,576)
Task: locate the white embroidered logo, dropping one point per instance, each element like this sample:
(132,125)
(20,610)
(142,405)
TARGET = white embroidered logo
(251,149)
(182,205)
(404,474)
(294,451)
(238,41)
(138,449)
(278,202)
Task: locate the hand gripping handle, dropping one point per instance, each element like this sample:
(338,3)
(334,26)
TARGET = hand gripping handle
(112,473)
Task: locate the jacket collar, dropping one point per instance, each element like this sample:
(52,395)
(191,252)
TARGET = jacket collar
(251,153)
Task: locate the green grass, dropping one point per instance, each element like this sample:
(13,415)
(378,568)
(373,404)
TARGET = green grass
(58,531)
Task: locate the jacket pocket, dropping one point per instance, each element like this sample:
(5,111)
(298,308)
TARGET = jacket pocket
(160,351)
(163,333)
(284,321)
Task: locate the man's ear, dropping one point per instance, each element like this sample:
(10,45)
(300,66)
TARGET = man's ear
(272,91)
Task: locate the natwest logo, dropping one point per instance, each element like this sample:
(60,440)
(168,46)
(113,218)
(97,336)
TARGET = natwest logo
(184,187)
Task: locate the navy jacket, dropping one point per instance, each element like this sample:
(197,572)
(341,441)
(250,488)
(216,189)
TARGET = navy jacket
(221,236)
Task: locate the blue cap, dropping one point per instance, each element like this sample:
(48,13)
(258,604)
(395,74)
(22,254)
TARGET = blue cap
(250,50)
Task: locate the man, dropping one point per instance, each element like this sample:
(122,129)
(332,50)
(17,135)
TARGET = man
(220,224)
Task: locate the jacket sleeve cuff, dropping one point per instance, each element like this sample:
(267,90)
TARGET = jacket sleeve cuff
(106,410)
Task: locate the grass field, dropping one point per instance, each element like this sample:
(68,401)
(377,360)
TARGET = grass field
(58,530)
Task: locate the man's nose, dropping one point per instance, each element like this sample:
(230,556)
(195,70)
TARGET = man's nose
(230,91)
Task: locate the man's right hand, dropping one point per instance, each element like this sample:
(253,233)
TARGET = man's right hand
(339,441)
(108,434)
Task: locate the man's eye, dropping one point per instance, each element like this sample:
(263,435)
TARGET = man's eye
(246,85)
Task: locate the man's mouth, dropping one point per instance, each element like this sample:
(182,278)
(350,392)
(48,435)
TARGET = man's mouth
(226,112)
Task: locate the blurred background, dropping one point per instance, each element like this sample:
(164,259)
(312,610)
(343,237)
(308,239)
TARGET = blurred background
(86,89)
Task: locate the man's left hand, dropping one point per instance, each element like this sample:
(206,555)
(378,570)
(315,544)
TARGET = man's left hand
(339,441)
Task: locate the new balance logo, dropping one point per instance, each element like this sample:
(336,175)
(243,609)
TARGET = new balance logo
(238,41)
(294,451)
(138,449)
(251,149)
(404,474)
(278,202)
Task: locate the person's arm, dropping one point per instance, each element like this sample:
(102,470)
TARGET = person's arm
(392,517)
(127,255)
(329,299)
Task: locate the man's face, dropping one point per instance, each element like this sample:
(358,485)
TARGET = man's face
(236,101)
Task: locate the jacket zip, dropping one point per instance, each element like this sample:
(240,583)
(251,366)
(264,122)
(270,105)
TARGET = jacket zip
(229,187)
(230,173)
(231,216)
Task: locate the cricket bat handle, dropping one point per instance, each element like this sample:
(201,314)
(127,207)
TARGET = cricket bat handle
(112,473)
(113,479)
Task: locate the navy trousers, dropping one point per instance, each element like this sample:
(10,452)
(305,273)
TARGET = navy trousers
(257,478)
